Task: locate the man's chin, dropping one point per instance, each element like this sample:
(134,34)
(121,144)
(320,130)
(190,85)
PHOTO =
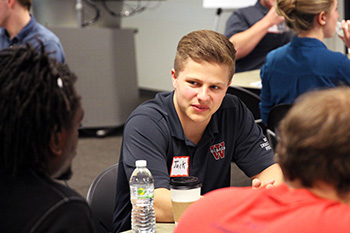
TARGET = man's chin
(66,175)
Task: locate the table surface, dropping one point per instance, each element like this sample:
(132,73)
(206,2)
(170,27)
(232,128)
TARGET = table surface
(161,228)
(248,79)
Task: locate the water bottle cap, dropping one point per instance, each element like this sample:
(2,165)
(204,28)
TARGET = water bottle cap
(141,163)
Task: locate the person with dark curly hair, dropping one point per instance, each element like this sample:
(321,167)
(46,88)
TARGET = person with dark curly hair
(40,115)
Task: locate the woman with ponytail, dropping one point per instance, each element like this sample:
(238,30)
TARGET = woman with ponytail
(305,63)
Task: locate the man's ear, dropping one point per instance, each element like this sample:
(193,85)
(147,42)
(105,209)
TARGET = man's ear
(173,78)
(57,141)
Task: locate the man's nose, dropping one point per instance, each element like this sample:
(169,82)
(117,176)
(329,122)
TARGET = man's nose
(203,93)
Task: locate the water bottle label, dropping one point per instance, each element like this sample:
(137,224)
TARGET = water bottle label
(143,193)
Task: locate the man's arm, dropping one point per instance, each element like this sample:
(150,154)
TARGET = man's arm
(269,177)
(147,138)
(162,205)
(247,40)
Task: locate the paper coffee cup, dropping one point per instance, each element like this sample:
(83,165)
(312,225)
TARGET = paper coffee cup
(184,191)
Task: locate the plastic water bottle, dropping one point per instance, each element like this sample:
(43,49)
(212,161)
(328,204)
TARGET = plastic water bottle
(141,195)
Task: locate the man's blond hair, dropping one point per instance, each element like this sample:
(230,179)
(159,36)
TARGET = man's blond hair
(205,46)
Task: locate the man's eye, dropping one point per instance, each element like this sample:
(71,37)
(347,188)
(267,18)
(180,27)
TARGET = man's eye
(215,87)
(193,83)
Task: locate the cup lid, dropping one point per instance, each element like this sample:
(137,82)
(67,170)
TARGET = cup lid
(188,182)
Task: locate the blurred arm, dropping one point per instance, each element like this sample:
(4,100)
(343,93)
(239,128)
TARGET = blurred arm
(162,205)
(269,177)
(346,38)
(247,40)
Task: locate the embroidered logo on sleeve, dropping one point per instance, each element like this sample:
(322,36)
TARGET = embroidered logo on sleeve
(180,166)
(218,150)
(265,145)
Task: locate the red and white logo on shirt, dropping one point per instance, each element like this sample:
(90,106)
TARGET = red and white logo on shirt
(218,150)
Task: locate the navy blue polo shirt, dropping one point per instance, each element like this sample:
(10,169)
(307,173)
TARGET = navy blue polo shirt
(30,34)
(153,132)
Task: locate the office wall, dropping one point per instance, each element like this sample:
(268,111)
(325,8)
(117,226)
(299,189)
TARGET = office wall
(160,29)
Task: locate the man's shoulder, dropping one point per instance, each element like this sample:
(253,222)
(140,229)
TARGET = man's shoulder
(242,19)
(159,107)
(230,102)
(248,10)
(43,33)
(58,190)
(232,107)
(39,198)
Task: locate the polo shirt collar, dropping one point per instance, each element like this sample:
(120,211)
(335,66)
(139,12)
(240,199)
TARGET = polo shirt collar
(173,119)
(27,29)
(23,33)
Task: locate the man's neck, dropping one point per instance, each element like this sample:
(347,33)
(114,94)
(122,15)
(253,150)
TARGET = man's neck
(194,133)
(192,130)
(19,18)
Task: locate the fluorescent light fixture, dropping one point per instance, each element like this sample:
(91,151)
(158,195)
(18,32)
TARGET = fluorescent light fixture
(228,4)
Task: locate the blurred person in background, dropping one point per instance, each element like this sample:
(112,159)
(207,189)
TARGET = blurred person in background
(18,27)
(255,31)
(305,63)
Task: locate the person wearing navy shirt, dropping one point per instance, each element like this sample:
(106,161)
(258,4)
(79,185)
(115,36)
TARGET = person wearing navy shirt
(18,27)
(197,126)
(255,31)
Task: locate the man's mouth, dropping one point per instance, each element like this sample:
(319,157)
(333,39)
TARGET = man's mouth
(200,107)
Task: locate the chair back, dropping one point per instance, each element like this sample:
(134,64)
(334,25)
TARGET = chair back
(276,114)
(274,117)
(101,198)
(250,99)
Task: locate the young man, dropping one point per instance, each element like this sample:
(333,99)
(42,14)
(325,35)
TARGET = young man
(313,153)
(195,130)
(254,32)
(18,27)
(40,116)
